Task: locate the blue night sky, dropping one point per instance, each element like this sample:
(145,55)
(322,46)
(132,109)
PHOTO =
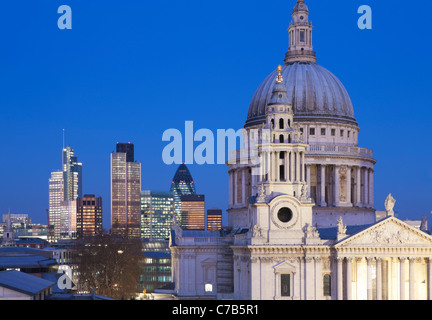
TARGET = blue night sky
(129,70)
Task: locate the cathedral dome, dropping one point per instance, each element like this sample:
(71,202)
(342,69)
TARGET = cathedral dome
(315,94)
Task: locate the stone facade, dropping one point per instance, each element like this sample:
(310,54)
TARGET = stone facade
(301,217)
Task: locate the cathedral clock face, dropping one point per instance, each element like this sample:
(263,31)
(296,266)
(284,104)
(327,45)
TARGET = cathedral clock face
(284,214)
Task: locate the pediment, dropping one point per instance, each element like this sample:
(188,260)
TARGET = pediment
(390,232)
(284,267)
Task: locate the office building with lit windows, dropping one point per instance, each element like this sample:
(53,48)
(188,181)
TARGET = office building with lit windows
(89,216)
(56,197)
(125,192)
(182,184)
(64,187)
(72,175)
(157,215)
(214,219)
(193,212)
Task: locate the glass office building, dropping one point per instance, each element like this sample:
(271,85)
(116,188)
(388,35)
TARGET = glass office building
(65,186)
(125,193)
(89,216)
(192,212)
(72,175)
(157,215)
(214,219)
(56,198)
(182,184)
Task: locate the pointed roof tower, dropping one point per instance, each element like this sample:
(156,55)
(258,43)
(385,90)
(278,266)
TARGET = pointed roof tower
(8,234)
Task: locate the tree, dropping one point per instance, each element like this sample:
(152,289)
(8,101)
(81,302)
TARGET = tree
(109,265)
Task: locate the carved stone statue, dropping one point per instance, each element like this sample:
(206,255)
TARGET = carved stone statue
(424,226)
(389,204)
(262,194)
(311,232)
(341,228)
(257,231)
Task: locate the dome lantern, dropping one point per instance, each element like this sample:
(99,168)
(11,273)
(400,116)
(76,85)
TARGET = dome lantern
(300,36)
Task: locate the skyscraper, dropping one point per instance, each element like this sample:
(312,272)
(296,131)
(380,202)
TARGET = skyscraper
(65,186)
(157,215)
(214,219)
(89,216)
(192,212)
(182,184)
(72,175)
(125,192)
(56,198)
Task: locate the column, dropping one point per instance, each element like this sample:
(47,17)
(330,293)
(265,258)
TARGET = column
(402,278)
(366,188)
(319,279)
(371,188)
(323,203)
(287,166)
(292,167)
(297,156)
(243,187)
(276,166)
(358,187)
(379,278)
(270,167)
(310,278)
(303,167)
(339,279)
(235,186)
(308,178)
(411,279)
(349,278)
(429,278)
(230,187)
(348,191)
(336,186)
(369,278)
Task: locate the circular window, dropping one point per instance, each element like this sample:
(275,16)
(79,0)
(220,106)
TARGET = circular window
(285,215)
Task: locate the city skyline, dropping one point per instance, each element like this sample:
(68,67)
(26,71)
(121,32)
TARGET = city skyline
(129,64)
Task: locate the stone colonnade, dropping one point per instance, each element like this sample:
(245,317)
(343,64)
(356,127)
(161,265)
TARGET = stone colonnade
(383,278)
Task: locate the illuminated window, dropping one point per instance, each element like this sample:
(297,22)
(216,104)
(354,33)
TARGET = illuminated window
(208,287)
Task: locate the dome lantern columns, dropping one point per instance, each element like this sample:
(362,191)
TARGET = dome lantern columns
(300,36)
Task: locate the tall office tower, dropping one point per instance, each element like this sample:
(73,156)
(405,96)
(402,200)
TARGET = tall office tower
(192,212)
(56,198)
(181,184)
(89,216)
(214,219)
(125,192)
(68,219)
(157,215)
(72,174)
(127,148)
(65,186)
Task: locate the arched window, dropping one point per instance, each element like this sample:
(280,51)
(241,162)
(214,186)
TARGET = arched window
(281,138)
(281,123)
(327,285)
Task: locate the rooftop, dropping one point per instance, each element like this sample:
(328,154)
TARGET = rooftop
(23,282)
